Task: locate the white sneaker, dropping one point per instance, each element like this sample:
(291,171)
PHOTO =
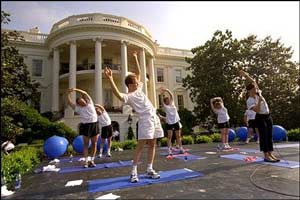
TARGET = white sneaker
(248,140)
(152,174)
(134,178)
(170,151)
(100,155)
(108,154)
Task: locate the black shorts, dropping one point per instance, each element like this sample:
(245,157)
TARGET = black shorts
(252,124)
(173,126)
(224,125)
(89,129)
(106,131)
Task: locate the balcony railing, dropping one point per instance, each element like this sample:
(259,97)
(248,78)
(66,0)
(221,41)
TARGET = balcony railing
(174,52)
(64,67)
(98,18)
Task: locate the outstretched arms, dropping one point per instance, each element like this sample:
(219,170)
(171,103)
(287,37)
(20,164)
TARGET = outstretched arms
(69,100)
(169,92)
(246,75)
(138,72)
(108,74)
(84,94)
(100,107)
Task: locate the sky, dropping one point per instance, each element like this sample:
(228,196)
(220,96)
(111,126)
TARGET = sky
(176,24)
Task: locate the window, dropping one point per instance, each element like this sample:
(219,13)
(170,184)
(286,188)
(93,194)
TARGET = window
(180,102)
(107,62)
(160,97)
(160,75)
(108,98)
(178,76)
(37,67)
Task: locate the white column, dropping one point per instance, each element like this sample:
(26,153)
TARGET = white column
(72,76)
(98,71)
(124,63)
(152,82)
(55,80)
(142,61)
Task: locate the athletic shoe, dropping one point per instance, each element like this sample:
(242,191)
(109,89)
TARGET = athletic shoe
(100,155)
(181,151)
(86,165)
(108,154)
(152,174)
(220,147)
(134,178)
(170,152)
(248,140)
(92,164)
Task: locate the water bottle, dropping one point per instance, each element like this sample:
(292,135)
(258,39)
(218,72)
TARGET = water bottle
(71,158)
(18,182)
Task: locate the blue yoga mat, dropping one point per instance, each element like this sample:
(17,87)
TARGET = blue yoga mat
(282,163)
(249,150)
(285,145)
(101,185)
(98,166)
(188,157)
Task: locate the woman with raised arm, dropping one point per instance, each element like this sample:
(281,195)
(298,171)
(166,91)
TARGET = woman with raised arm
(88,126)
(172,119)
(106,129)
(263,119)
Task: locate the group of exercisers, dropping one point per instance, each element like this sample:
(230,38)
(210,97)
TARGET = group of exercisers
(149,125)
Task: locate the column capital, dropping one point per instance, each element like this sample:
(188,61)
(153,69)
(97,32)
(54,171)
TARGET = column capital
(98,39)
(126,42)
(71,42)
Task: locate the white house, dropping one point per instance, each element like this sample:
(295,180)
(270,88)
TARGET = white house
(77,49)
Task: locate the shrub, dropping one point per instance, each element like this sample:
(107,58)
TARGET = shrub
(34,125)
(130,134)
(187,140)
(163,142)
(116,145)
(21,161)
(188,121)
(129,144)
(294,134)
(203,139)
(216,137)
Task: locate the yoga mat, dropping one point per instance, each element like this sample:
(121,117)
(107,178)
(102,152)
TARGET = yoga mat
(282,163)
(285,145)
(249,150)
(101,185)
(188,157)
(98,166)
(174,149)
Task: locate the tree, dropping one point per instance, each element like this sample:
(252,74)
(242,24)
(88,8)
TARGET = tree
(214,72)
(15,78)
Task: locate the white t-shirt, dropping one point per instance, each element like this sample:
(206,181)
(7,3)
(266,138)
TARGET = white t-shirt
(87,113)
(104,119)
(140,102)
(222,114)
(250,114)
(172,116)
(264,109)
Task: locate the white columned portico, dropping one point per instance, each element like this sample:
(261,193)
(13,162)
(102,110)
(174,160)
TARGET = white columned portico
(142,61)
(152,82)
(124,63)
(98,71)
(55,80)
(72,76)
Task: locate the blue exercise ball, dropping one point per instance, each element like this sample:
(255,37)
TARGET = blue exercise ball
(55,146)
(242,133)
(65,140)
(78,144)
(278,133)
(99,145)
(231,135)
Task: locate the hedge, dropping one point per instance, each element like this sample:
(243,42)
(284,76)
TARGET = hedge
(294,134)
(203,139)
(21,161)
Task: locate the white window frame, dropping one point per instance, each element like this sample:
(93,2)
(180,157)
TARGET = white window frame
(163,75)
(34,67)
(180,71)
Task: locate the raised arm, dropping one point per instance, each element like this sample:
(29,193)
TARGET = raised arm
(211,103)
(69,100)
(169,92)
(100,107)
(84,94)
(108,74)
(138,72)
(246,75)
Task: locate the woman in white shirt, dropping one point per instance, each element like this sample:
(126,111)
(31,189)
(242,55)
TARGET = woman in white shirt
(218,107)
(263,119)
(172,119)
(106,129)
(88,122)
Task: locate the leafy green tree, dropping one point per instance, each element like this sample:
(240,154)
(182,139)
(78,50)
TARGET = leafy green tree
(214,72)
(15,78)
